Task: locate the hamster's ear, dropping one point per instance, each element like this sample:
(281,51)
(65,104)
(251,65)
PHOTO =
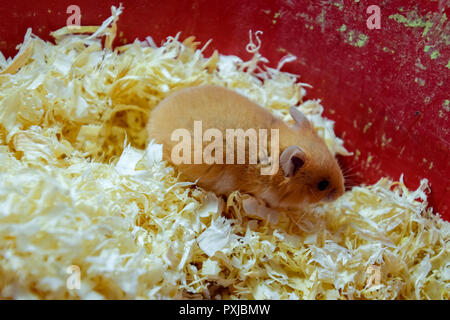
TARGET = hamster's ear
(292,159)
(300,119)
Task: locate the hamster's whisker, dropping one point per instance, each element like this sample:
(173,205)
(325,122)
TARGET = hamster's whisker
(349,175)
(349,184)
(353,167)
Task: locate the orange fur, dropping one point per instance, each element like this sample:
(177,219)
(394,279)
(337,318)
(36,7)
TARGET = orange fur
(222,108)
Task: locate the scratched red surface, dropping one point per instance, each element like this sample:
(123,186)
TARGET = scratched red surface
(388,93)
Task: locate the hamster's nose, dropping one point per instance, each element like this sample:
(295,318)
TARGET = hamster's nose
(333,195)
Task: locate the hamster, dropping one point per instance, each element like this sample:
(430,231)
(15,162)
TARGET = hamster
(308,172)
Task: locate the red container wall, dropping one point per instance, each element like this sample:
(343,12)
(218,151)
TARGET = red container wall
(387,89)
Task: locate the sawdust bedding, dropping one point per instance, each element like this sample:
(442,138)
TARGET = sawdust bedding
(80,186)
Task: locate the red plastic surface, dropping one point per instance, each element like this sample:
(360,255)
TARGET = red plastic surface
(387,89)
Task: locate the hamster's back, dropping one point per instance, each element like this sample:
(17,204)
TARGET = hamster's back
(214,106)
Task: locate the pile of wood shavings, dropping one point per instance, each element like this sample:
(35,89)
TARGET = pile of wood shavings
(80,186)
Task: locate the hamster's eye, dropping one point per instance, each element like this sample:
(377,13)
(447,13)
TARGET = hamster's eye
(322,185)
